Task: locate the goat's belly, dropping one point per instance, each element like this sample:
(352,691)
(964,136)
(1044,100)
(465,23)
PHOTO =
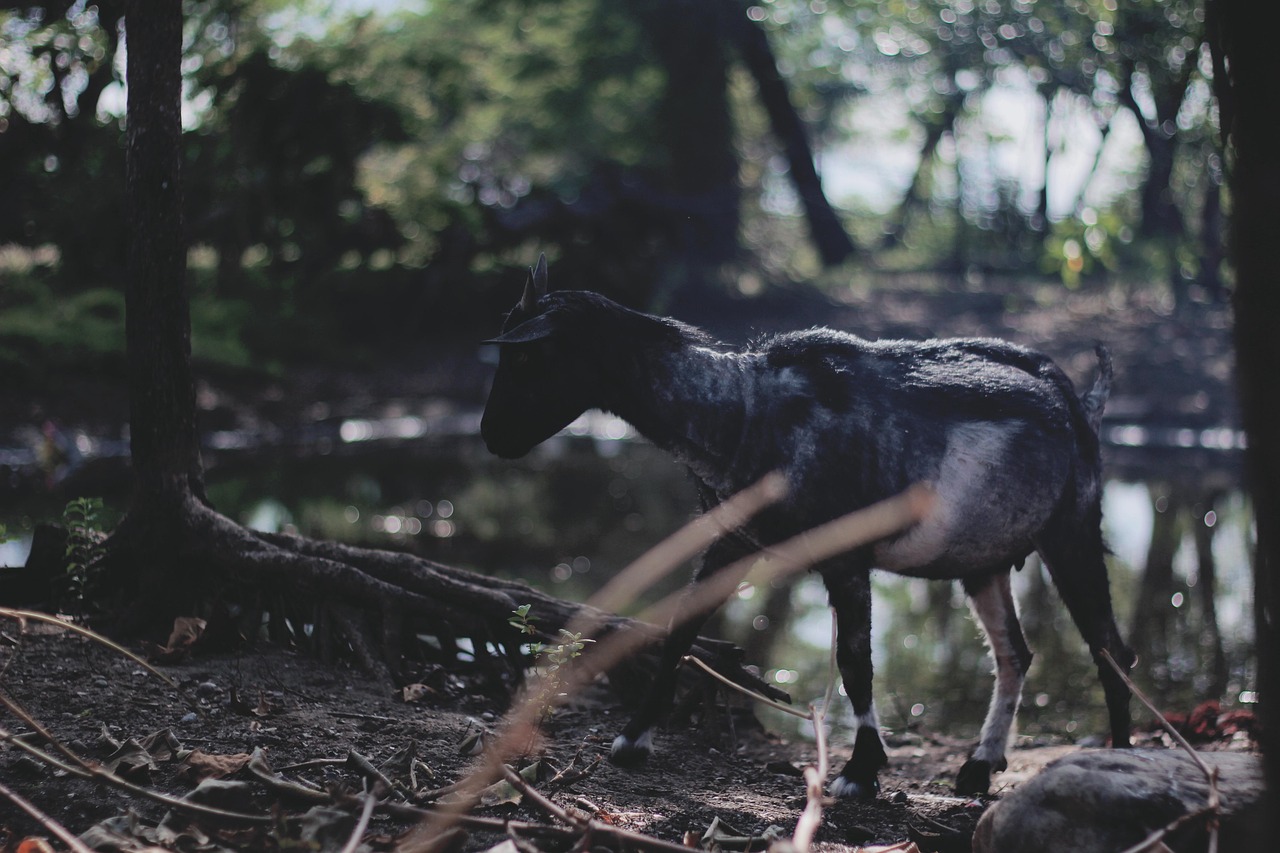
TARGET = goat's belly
(993,495)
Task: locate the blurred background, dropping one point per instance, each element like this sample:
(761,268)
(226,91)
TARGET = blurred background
(366,180)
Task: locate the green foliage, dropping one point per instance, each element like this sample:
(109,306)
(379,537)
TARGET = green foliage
(82,519)
(347,172)
(44,329)
(1079,249)
(549,660)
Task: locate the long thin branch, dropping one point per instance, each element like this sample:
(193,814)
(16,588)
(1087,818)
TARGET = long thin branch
(88,771)
(22,615)
(1210,773)
(626,838)
(746,691)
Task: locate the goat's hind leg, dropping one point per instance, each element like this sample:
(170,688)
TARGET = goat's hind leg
(1075,557)
(992,602)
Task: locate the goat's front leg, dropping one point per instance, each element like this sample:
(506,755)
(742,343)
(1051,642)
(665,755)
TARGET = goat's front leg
(993,604)
(635,743)
(850,590)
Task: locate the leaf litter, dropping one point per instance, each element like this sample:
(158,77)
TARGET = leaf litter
(340,737)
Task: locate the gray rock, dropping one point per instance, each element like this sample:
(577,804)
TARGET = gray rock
(1109,800)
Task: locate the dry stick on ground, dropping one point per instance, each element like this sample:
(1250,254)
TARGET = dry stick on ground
(357,833)
(626,837)
(787,558)
(1211,809)
(814,775)
(83,769)
(23,615)
(50,825)
(88,771)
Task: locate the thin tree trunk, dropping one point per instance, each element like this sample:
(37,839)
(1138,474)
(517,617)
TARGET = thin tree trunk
(896,228)
(697,125)
(829,236)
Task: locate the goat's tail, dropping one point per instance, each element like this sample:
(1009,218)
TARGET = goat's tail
(1095,399)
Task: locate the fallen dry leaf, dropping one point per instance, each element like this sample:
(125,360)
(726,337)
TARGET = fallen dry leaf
(186,632)
(200,765)
(415,692)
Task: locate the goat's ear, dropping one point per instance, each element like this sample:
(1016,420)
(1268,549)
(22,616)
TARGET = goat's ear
(535,285)
(530,330)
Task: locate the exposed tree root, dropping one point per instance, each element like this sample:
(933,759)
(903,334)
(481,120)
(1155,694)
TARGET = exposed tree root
(377,606)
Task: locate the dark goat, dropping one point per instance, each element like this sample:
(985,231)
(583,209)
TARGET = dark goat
(1011,452)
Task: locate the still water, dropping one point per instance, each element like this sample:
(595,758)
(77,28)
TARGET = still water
(591,500)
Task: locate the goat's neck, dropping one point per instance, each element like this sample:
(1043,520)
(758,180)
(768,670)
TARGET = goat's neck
(690,401)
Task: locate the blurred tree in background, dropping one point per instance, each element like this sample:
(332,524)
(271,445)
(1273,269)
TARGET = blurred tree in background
(359,172)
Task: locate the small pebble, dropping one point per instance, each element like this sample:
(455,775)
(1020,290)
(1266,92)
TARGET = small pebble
(207,690)
(189,717)
(899,797)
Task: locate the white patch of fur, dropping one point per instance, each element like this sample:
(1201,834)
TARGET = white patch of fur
(973,450)
(842,787)
(868,720)
(644,743)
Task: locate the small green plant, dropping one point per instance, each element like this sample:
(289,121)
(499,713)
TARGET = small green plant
(81,518)
(548,660)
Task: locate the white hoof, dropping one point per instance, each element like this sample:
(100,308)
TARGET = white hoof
(628,752)
(847,789)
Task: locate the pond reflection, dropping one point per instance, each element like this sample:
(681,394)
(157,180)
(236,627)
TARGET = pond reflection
(587,502)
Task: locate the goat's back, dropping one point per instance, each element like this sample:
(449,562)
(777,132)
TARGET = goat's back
(995,428)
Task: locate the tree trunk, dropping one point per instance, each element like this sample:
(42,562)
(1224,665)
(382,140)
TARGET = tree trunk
(829,236)
(167,470)
(166,457)
(895,229)
(696,124)
(1246,93)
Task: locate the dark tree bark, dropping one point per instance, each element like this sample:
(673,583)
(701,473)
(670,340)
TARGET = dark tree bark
(1244,36)
(1159,213)
(167,470)
(696,123)
(165,449)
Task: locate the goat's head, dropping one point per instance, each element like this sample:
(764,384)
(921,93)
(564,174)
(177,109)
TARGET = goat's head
(542,384)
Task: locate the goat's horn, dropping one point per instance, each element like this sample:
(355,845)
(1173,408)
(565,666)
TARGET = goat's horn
(540,275)
(535,285)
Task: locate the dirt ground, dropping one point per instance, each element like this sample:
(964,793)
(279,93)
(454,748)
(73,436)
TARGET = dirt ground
(297,710)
